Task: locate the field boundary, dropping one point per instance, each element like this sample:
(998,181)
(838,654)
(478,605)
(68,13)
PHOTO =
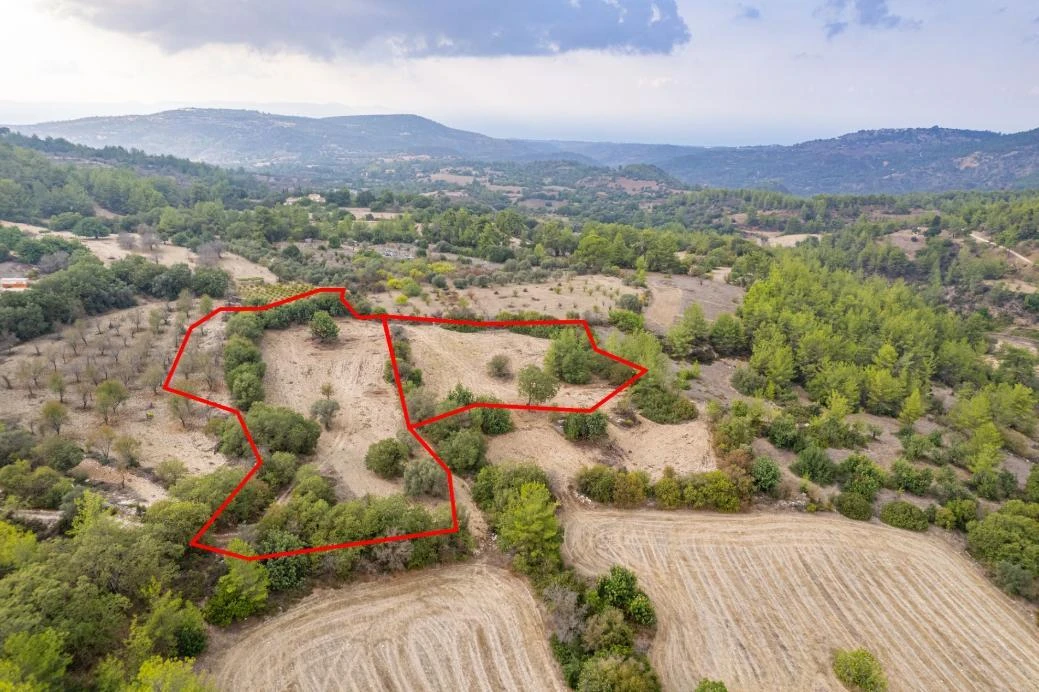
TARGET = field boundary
(412,427)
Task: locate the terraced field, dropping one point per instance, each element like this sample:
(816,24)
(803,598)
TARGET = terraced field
(761,601)
(466,627)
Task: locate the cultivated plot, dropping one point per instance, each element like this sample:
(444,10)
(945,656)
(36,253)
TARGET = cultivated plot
(470,627)
(761,601)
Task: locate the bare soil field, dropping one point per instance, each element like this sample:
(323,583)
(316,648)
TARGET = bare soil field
(464,627)
(107,250)
(447,358)
(363,213)
(297,366)
(761,601)
(910,241)
(673,294)
(646,447)
(580,293)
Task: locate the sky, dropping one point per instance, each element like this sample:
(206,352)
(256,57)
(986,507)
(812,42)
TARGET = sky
(702,72)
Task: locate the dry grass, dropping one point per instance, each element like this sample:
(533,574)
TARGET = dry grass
(761,601)
(470,627)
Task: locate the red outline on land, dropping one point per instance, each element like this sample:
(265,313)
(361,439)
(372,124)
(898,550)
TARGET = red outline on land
(412,427)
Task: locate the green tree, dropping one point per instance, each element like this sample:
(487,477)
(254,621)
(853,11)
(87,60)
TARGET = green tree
(569,358)
(386,457)
(912,409)
(323,327)
(246,388)
(54,414)
(241,592)
(284,572)
(464,451)
(173,675)
(904,515)
(612,672)
(528,527)
(38,660)
(109,396)
(537,385)
(689,333)
(325,411)
(727,336)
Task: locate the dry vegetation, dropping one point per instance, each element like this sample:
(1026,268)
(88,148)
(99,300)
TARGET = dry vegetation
(761,601)
(456,628)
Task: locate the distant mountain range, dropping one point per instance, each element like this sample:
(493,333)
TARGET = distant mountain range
(875,161)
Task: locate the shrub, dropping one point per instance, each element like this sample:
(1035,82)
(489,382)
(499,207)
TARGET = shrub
(499,367)
(464,451)
(630,488)
(748,382)
(904,476)
(784,433)
(861,476)
(579,426)
(597,482)
(626,320)
(668,491)
(859,670)
(706,685)
(712,490)
(662,405)
(904,515)
(814,464)
(281,429)
(323,327)
(492,421)
(854,506)
(608,632)
(386,457)
(766,474)
(425,477)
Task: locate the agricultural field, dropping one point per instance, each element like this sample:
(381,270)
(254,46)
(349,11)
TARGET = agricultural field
(762,600)
(109,250)
(671,295)
(454,628)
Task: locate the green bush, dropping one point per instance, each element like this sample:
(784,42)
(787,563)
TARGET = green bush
(626,320)
(281,429)
(860,475)
(706,685)
(766,474)
(713,490)
(904,515)
(492,421)
(784,433)
(425,477)
(854,506)
(386,458)
(904,476)
(815,465)
(597,482)
(662,405)
(859,670)
(580,426)
(464,451)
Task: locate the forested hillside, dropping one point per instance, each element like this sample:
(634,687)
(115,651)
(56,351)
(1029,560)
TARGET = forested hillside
(867,162)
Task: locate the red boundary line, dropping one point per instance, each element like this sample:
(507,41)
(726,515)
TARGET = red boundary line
(195,541)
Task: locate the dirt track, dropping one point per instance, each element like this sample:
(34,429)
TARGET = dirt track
(465,627)
(760,601)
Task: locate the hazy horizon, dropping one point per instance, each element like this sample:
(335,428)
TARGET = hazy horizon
(675,71)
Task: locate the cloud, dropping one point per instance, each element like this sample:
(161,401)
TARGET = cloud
(871,14)
(749,12)
(412,28)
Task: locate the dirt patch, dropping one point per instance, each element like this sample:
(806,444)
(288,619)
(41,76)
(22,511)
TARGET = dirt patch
(761,601)
(447,358)
(673,294)
(141,488)
(456,628)
(646,447)
(909,240)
